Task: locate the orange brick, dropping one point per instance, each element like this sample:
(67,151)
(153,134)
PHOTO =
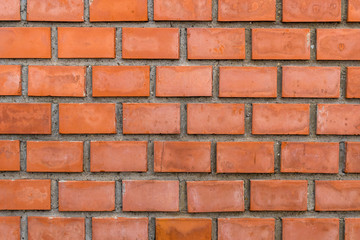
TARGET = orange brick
(55,10)
(311,82)
(121,81)
(215,196)
(151,118)
(25,42)
(57,81)
(182,156)
(338,195)
(352,157)
(246,10)
(87,118)
(10,80)
(182,10)
(310,228)
(119,10)
(119,228)
(246,228)
(183,228)
(248,82)
(338,44)
(338,119)
(215,118)
(278,195)
(353,11)
(25,118)
(25,194)
(352,228)
(10,228)
(86,196)
(54,156)
(118,156)
(216,43)
(287,44)
(281,119)
(184,81)
(311,11)
(310,157)
(138,196)
(353,82)
(86,42)
(245,157)
(10,10)
(9,155)
(150,43)
(56,228)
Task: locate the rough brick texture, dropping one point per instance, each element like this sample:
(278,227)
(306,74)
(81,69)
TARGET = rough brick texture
(179,119)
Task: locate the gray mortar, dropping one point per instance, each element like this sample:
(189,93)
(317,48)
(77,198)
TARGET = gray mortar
(183,136)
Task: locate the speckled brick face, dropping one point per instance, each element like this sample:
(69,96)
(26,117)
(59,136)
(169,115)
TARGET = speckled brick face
(179,119)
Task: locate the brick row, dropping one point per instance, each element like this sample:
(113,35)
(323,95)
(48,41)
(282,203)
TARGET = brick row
(177,10)
(164,43)
(202,196)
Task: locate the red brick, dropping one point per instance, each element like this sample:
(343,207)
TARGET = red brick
(215,118)
(25,42)
(182,10)
(341,195)
(151,118)
(86,196)
(215,196)
(281,119)
(86,42)
(311,11)
(216,43)
(310,228)
(10,155)
(56,81)
(87,118)
(278,195)
(10,10)
(184,81)
(10,80)
(353,82)
(120,10)
(54,156)
(10,228)
(352,157)
(338,44)
(353,11)
(287,44)
(182,157)
(352,228)
(56,228)
(311,82)
(121,81)
(248,82)
(246,228)
(25,194)
(183,228)
(150,43)
(246,10)
(118,156)
(245,157)
(25,118)
(138,196)
(120,228)
(310,157)
(55,10)
(338,119)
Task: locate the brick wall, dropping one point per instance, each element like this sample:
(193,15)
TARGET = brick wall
(179,119)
